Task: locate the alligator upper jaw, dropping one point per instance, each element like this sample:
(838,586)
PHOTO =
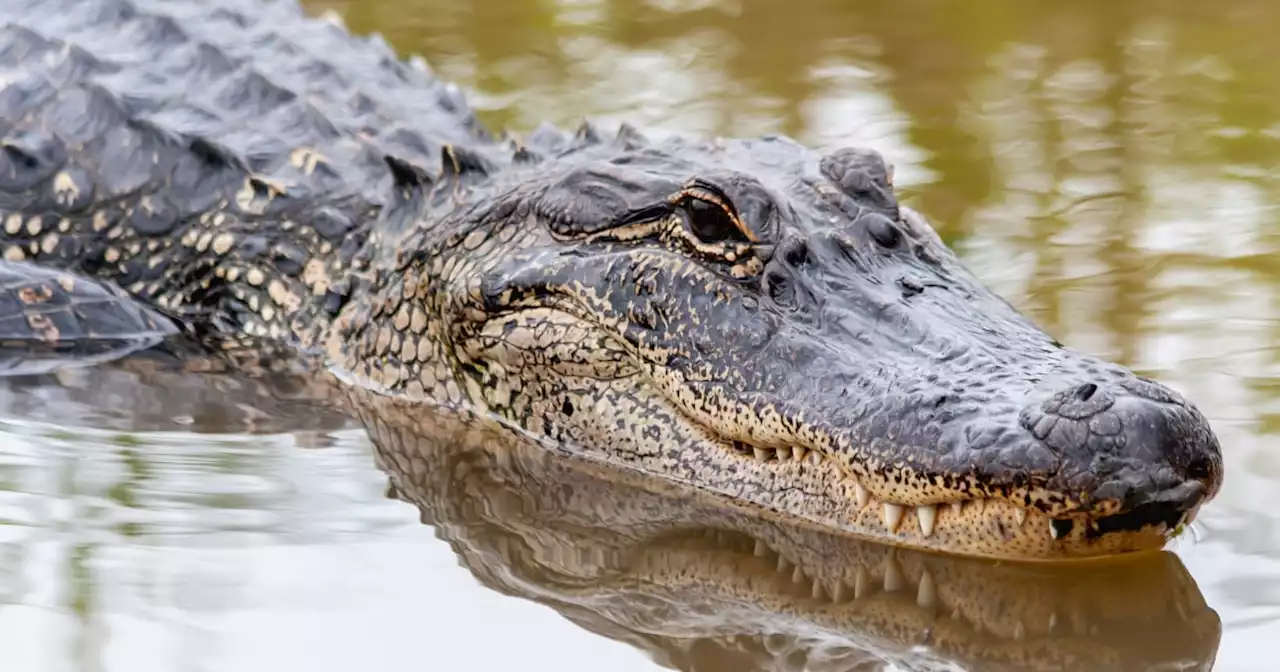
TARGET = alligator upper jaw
(672,569)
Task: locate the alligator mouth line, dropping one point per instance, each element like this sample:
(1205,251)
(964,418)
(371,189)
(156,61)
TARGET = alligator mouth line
(1010,521)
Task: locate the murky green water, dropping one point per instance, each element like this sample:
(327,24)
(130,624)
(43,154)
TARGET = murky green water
(1108,166)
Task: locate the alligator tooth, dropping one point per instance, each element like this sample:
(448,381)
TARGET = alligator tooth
(762,549)
(892,516)
(1019,631)
(926,594)
(817,592)
(978,504)
(1053,621)
(927,515)
(782,564)
(798,453)
(762,454)
(860,582)
(1057,528)
(957,507)
(1020,515)
(1182,613)
(798,575)
(839,593)
(892,576)
(861,494)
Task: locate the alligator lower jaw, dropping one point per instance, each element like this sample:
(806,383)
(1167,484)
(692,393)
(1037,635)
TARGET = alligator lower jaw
(998,529)
(991,528)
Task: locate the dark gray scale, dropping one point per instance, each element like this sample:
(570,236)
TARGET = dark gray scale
(51,318)
(168,147)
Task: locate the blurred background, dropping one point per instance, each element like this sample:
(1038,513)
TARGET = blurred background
(1110,167)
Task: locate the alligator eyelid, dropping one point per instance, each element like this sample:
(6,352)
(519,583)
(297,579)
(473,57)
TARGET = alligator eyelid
(700,185)
(646,214)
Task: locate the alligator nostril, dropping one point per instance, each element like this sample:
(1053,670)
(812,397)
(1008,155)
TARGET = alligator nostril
(1200,468)
(779,288)
(795,253)
(1085,392)
(883,231)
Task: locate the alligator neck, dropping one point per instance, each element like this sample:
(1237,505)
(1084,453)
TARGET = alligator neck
(276,263)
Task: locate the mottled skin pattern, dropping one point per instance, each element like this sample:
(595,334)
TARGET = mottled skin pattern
(698,583)
(748,316)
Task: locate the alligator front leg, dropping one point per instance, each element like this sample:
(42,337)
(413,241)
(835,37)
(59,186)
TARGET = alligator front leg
(51,318)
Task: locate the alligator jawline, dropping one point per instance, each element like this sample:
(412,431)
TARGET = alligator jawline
(1010,519)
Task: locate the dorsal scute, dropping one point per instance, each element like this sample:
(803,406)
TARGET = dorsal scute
(630,138)
(407,175)
(462,162)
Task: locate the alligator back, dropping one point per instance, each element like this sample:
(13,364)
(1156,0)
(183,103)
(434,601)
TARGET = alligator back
(173,147)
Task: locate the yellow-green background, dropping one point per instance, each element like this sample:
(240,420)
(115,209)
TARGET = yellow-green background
(1110,166)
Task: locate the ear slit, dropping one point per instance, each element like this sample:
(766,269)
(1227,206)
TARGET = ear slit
(646,214)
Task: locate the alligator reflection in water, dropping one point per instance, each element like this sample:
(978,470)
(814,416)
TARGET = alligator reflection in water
(702,584)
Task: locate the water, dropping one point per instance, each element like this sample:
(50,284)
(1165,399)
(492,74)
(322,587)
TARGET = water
(1106,166)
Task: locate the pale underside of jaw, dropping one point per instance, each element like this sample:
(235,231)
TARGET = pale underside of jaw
(956,524)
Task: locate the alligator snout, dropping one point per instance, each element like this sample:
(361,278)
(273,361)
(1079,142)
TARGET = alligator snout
(1125,444)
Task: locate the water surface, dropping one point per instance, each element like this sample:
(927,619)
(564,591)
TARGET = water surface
(1109,167)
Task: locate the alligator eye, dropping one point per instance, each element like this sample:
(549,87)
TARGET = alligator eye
(710,222)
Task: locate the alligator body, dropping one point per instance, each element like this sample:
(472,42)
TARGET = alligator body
(747,316)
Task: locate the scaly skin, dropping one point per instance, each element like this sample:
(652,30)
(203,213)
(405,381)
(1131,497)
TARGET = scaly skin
(698,583)
(751,317)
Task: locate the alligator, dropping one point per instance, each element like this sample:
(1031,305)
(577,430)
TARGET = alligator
(750,316)
(701,584)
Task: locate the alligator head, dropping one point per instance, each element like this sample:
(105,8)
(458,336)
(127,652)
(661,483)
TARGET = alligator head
(769,323)
(698,584)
